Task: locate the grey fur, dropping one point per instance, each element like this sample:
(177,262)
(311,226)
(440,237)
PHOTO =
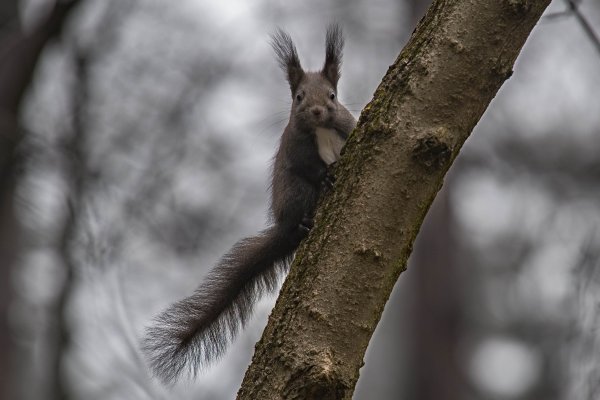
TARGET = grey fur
(196,330)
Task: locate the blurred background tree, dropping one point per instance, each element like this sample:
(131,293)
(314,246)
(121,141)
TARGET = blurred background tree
(143,152)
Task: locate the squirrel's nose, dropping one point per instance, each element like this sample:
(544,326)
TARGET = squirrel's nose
(317,111)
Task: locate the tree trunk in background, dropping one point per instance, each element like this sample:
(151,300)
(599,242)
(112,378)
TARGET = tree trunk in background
(8,134)
(19,55)
(394,164)
(435,319)
(7,255)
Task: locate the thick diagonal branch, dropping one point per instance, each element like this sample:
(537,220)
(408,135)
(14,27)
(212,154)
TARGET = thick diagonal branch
(394,164)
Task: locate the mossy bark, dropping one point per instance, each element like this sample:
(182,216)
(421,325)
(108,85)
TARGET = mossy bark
(393,165)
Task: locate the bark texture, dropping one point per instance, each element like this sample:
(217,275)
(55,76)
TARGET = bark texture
(394,164)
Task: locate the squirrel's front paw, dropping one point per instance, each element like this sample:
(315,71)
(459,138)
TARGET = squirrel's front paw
(306,225)
(328,181)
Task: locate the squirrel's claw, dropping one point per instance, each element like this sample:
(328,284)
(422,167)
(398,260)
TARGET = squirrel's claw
(306,225)
(328,181)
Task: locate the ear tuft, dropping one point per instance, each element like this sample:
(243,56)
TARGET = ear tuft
(334,45)
(287,56)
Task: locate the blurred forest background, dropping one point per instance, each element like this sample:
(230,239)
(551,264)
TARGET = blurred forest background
(135,150)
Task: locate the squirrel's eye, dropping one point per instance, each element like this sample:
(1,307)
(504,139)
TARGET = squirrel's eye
(332,96)
(299,97)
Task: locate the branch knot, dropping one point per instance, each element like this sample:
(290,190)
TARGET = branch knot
(432,152)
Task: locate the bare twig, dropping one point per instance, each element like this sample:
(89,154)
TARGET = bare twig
(573,10)
(587,28)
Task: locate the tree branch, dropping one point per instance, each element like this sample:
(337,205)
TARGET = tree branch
(394,164)
(587,28)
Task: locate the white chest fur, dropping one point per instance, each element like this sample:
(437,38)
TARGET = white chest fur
(329,144)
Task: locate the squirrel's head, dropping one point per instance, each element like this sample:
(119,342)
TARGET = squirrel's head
(314,94)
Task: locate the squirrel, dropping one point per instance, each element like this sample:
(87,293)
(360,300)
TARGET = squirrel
(196,330)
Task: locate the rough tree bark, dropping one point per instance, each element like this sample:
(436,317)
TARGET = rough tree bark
(394,164)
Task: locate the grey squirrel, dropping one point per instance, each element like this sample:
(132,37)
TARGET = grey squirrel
(197,329)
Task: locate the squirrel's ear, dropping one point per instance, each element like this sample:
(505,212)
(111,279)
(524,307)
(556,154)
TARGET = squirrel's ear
(287,56)
(334,44)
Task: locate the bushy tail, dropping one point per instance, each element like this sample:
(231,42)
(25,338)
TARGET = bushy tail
(197,329)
